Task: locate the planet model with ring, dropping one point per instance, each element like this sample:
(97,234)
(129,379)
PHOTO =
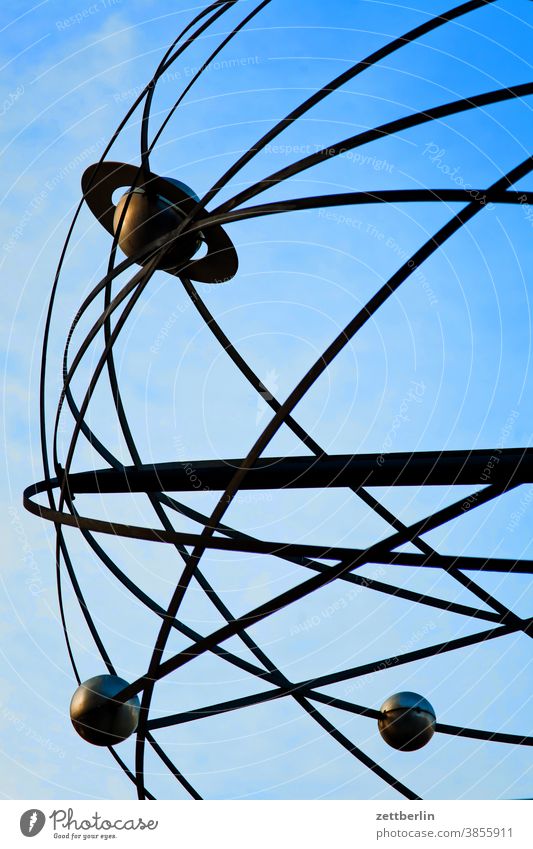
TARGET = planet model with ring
(142,218)
(149,211)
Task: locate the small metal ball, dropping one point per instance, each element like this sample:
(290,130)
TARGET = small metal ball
(98,717)
(149,217)
(407,722)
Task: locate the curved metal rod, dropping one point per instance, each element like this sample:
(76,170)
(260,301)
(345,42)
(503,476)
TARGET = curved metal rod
(496,192)
(51,303)
(219,9)
(308,586)
(452,607)
(299,553)
(246,666)
(271,429)
(122,764)
(42,383)
(65,495)
(448,647)
(470,563)
(359,710)
(206,64)
(42,405)
(467,4)
(371,554)
(372,59)
(380,196)
(110,362)
(375,57)
(248,641)
(361,492)
(143,278)
(226,631)
(235,704)
(391,127)
(488,736)
(172,767)
(163,247)
(416,654)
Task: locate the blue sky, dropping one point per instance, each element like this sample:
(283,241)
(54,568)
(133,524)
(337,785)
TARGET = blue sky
(444,364)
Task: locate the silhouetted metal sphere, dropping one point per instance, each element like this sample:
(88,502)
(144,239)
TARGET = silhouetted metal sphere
(407,722)
(148,217)
(98,717)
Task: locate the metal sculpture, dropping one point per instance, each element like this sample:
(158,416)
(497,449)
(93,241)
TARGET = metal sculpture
(160,224)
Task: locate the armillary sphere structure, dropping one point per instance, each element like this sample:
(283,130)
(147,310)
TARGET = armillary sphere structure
(160,228)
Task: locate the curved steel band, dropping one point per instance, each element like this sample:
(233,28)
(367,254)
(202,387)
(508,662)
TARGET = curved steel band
(513,467)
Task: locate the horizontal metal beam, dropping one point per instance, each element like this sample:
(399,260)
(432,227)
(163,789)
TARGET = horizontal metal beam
(484,466)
